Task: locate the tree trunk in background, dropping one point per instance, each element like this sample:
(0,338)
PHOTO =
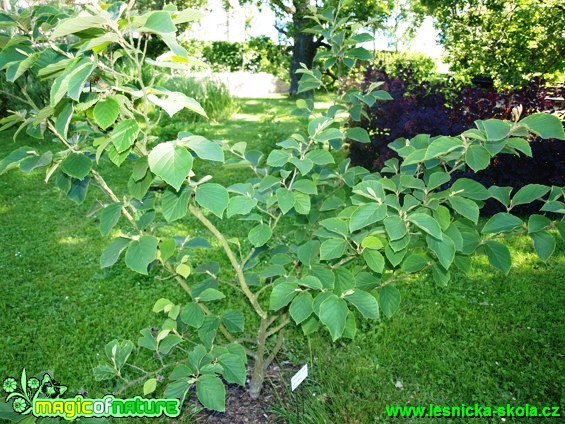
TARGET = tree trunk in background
(304,47)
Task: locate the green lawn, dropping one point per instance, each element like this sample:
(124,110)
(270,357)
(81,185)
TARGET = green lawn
(485,338)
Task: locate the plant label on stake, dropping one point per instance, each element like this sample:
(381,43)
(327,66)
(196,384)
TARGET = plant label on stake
(299,377)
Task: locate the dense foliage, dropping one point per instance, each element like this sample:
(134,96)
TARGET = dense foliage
(258,54)
(441,107)
(327,241)
(511,40)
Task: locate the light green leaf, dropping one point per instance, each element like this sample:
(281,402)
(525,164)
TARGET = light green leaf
(159,22)
(285,199)
(234,321)
(172,164)
(414,263)
(469,188)
(149,386)
(240,205)
(192,315)
(320,157)
(537,223)
(495,129)
(278,158)
(209,295)
(358,134)
(80,23)
(335,225)
(444,249)
(441,146)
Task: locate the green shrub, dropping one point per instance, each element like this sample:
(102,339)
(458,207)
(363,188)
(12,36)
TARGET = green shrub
(213,96)
(327,241)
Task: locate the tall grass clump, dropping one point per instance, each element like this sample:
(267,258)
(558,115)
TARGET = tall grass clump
(212,95)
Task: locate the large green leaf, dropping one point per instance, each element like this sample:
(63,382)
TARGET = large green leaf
(545,125)
(477,157)
(172,163)
(366,215)
(109,218)
(282,294)
(80,23)
(427,223)
(159,22)
(365,302)
(234,321)
(444,249)
(112,252)
(285,199)
(529,193)
(213,197)
(301,307)
(501,222)
(175,205)
(259,235)
(76,165)
(395,227)
(333,314)
(414,263)
(332,249)
(234,368)
(240,205)
(204,148)
(124,134)
(77,79)
(495,129)
(141,253)
(106,112)
(389,299)
(469,188)
(465,207)
(374,260)
(544,244)
(211,392)
(498,255)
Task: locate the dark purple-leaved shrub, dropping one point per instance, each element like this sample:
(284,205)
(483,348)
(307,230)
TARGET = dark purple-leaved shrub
(441,108)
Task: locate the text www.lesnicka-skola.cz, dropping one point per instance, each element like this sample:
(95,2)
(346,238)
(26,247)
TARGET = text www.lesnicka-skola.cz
(472,411)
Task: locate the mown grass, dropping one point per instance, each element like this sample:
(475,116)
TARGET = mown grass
(485,338)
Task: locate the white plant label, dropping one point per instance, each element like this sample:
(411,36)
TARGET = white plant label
(299,377)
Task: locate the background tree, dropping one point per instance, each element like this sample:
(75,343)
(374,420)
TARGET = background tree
(510,40)
(305,45)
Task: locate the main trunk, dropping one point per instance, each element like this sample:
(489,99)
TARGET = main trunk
(258,374)
(303,51)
